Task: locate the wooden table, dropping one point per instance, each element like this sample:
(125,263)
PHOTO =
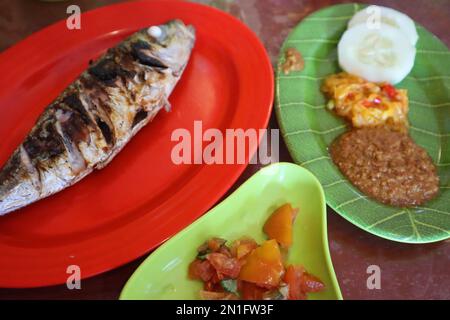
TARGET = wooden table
(407,271)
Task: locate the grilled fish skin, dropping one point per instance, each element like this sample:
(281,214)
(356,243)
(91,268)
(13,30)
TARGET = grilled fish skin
(95,116)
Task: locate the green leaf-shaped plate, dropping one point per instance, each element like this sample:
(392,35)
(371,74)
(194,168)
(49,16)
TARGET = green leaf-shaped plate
(163,275)
(308,127)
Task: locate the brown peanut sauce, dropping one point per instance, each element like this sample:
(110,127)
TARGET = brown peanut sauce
(386,165)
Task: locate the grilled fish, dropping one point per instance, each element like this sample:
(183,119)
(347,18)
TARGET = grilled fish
(95,116)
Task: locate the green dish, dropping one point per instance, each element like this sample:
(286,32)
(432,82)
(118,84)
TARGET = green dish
(308,127)
(163,275)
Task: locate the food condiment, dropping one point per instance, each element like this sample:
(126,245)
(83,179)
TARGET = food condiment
(367,104)
(386,165)
(293,61)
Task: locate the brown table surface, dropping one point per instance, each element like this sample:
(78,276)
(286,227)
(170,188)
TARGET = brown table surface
(407,271)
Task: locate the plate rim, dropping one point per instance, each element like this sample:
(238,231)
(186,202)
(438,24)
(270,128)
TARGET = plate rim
(263,171)
(299,161)
(29,281)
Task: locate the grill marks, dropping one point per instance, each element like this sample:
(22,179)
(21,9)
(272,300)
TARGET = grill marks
(106,131)
(97,100)
(63,121)
(44,142)
(141,51)
(95,117)
(67,123)
(73,102)
(12,171)
(120,66)
(140,116)
(118,63)
(31,170)
(39,151)
(82,109)
(75,127)
(108,70)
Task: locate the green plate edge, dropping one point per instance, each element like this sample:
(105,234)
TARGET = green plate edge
(307,138)
(163,275)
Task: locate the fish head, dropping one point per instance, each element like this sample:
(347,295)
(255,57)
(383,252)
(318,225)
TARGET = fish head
(171,43)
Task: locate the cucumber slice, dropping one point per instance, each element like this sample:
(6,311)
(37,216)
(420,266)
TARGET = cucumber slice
(373,15)
(383,54)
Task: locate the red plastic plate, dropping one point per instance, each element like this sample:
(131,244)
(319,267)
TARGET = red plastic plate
(141,198)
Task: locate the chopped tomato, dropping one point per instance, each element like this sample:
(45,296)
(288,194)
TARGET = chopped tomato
(214,244)
(293,278)
(243,247)
(248,271)
(211,295)
(390,90)
(213,284)
(224,265)
(279,225)
(311,283)
(250,291)
(263,265)
(208,286)
(300,282)
(226,251)
(201,270)
(217,277)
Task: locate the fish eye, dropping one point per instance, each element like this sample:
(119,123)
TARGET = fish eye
(157,32)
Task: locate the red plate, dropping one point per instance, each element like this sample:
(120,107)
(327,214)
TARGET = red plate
(142,198)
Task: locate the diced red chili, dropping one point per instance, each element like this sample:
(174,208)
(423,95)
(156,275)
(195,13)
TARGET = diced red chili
(375,103)
(390,91)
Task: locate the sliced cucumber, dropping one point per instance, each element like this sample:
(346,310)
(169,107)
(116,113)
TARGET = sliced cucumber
(373,15)
(383,54)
